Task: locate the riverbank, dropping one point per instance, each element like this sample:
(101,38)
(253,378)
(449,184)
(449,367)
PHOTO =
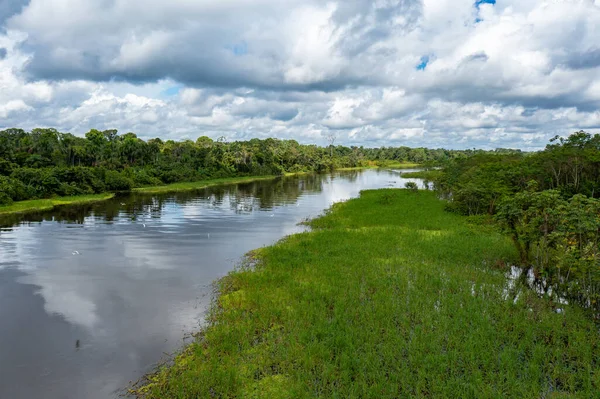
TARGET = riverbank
(388,296)
(430,175)
(48,204)
(384,165)
(188,186)
(51,203)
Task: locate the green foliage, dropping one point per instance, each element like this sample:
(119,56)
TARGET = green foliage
(142,177)
(52,163)
(429,175)
(115,181)
(475,185)
(48,204)
(384,302)
(5,199)
(412,186)
(42,182)
(547,201)
(7,167)
(559,239)
(12,190)
(530,216)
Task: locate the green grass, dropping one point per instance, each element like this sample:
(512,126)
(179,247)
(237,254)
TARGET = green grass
(384,165)
(398,165)
(187,186)
(430,175)
(388,297)
(48,204)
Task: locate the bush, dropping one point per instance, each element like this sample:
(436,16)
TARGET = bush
(411,186)
(6,167)
(142,178)
(114,181)
(13,189)
(70,189)
(81,178)
(297,168)
(559,239)
(5,199)
(41,181)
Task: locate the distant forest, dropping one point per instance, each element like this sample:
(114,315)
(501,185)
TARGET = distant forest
(45,162)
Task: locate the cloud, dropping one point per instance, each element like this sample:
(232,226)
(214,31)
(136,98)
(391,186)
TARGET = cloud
(9,8)
(385,72)
(588,59)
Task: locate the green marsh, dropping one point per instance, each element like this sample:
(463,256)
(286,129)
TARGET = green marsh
(48,204)
(388,296)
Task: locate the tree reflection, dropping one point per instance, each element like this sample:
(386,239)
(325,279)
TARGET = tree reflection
(243,197)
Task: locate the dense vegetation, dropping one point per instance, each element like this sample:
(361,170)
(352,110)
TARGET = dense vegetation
(44,162)
(389,296)
(548,202)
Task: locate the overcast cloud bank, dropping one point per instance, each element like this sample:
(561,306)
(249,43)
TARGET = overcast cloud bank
(435,73)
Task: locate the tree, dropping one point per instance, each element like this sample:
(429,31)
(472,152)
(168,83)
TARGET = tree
(331,137)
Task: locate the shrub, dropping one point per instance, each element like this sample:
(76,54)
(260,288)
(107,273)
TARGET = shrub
(41,181)
(13,189)
(114,181)
(411,186)
(6,167)
(5,199)
(70,189)
(82,178)
(143,179)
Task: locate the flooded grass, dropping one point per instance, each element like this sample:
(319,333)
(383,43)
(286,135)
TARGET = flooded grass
(48,204)
(385,297)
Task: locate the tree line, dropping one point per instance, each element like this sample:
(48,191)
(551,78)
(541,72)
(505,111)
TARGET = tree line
(45,162)
(548,201)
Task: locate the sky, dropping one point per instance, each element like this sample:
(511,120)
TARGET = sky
(434,73)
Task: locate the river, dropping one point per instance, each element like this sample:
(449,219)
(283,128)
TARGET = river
(92,297)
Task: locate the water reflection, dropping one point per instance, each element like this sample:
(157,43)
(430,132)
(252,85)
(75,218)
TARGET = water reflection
(93,295)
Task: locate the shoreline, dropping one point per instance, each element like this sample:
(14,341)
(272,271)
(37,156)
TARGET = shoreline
(391,165)
(430,174)
(39,205)
(190,186)
(386,296)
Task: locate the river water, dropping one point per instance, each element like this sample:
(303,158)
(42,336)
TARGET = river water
(92,297)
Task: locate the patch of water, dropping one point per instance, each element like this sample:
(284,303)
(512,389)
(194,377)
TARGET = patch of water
(515,277)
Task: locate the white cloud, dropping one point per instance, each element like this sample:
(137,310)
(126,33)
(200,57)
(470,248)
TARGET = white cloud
(13,106)
(312,39)
(510,74)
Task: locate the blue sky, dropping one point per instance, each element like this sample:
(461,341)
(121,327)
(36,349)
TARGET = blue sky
(423,63)
(435,73)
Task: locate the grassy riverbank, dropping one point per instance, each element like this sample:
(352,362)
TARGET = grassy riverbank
(430,174)
(188,186)
(398,165)
(388,296)
(384,165)
(48,204)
